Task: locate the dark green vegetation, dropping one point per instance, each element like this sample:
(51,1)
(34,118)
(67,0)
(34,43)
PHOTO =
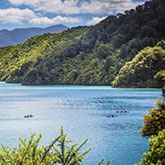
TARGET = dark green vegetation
(85,55)
(154,124)
(39,60)
(147,69)
(155,120)
(58,152)
(163,90)
(156,154)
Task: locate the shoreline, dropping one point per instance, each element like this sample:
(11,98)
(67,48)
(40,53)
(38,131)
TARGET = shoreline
(81,86)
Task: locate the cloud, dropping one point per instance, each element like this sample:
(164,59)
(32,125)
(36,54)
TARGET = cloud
(18,16)
(68,7)
(15,15)
(95,20)
(55,20)
(52,6)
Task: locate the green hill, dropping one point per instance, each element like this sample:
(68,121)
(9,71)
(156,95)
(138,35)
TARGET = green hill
(147,69)
(85,55)
(17,63)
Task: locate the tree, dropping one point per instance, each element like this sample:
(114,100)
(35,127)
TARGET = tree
(155,120)
(156,154)
(148,31)
(123,51)
(58,152)
(145,70)
(161,44)
(108,63)
(148,41)
(160,77)
(163,90)
(119,40)
(103,51)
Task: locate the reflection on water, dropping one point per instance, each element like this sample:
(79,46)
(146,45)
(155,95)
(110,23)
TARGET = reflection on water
(83,112)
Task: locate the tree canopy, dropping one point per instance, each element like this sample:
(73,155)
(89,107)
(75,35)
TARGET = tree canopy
(58,152)
(147,69)
(154,121)
(156,154)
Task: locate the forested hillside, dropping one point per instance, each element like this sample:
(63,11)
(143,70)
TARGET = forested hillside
(85,55)
(147,69)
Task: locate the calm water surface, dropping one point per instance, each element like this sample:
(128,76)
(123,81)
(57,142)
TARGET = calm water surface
(82,110)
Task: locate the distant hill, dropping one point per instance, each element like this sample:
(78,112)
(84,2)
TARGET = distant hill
(91,55)
(18,36)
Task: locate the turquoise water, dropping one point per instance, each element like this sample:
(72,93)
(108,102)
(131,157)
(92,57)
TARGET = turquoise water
(82,110)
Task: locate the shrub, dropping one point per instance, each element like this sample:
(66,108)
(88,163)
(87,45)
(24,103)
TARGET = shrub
(155,120)
(156,154)
(58,152)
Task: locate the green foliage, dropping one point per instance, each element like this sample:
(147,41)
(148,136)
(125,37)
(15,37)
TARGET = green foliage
(123,51)
(163,90)
(102,161)
(119,40)
(155,120)
(103,51)
(147,69)
(160,77)
(156,154)
(28,152)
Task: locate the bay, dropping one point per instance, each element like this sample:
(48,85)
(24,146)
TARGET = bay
(82,111)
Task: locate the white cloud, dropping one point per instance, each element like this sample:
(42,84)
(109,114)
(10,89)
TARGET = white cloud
(15,15)
(18,16)
(95,20)
(66,7)
(77,6)
(55,20)
(52,6)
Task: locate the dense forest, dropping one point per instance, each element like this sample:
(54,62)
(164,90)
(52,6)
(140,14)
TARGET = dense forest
(147,69)
(92,55)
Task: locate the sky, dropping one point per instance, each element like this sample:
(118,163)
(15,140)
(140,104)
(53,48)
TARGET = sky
(43,13)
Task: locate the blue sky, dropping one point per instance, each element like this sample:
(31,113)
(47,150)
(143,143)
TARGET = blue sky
(42,13)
